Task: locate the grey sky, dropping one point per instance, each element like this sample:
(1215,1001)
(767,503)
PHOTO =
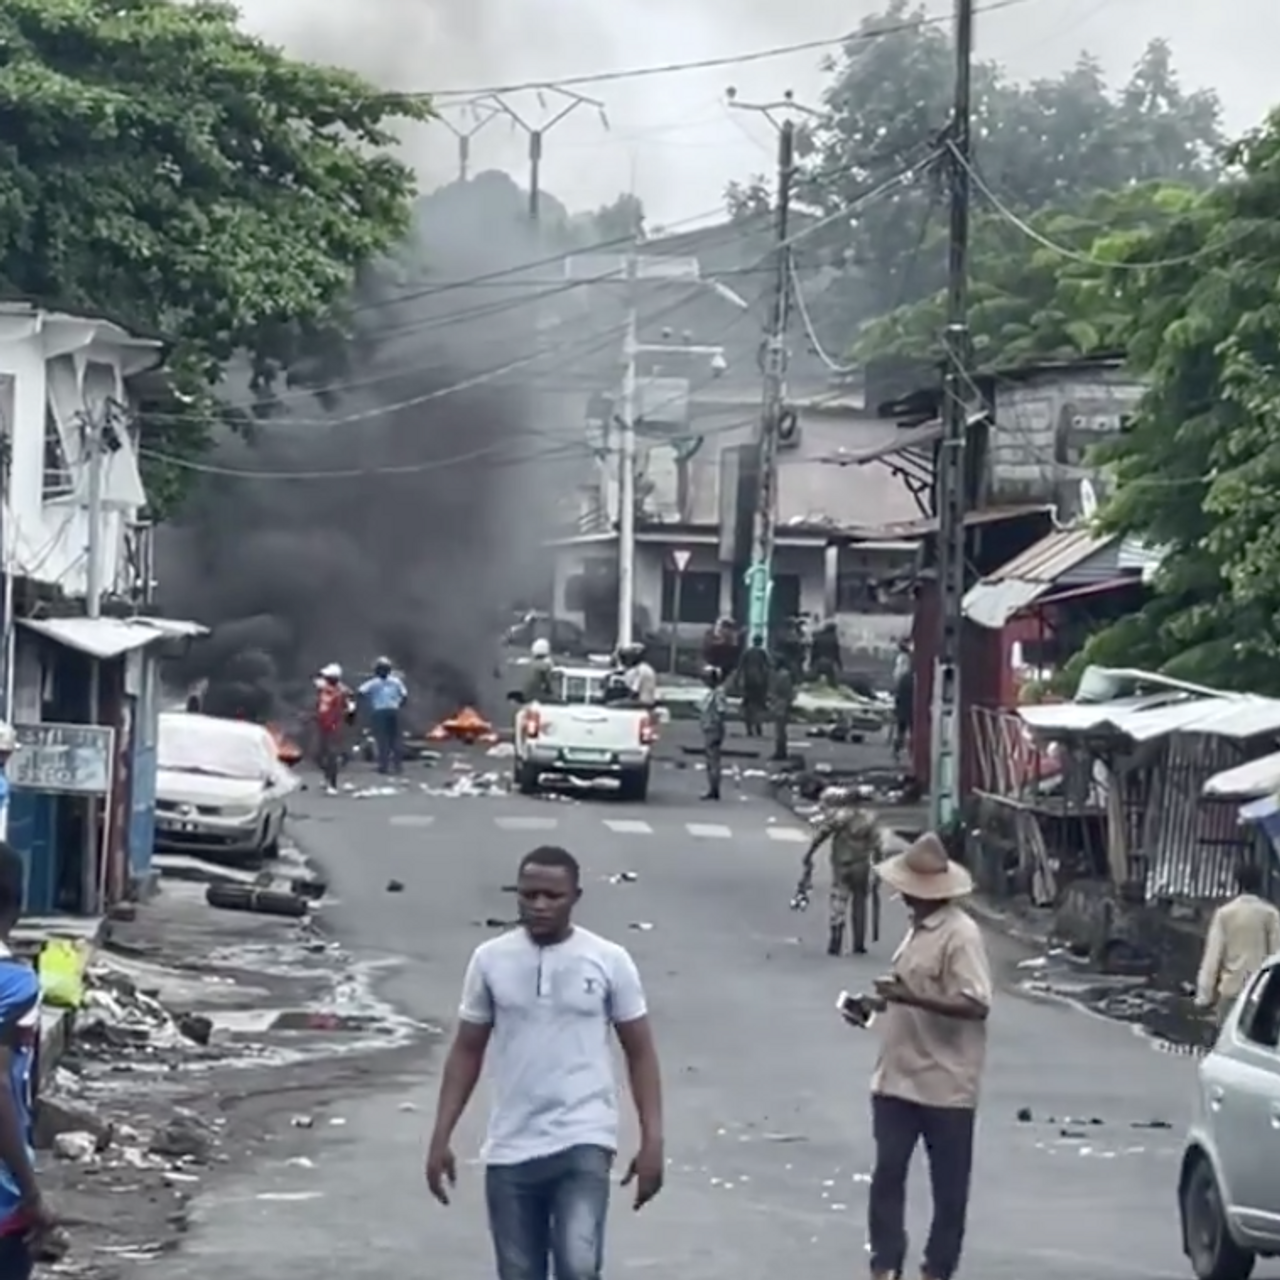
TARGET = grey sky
(672,137)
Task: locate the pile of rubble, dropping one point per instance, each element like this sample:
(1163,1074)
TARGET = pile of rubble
(117,1018)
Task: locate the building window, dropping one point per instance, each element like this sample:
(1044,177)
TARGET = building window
(58,479)
(699,597)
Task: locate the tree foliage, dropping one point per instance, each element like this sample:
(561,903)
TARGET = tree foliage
(1049,144)
(1045,291)
(159,164)
(1199,471)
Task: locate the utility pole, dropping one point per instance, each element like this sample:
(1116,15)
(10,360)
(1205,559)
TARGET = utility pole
(759,579)
(945,737)
(627,461)
(92,426)
(537,132)
(479,111)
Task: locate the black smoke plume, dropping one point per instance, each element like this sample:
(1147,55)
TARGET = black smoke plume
(422,557)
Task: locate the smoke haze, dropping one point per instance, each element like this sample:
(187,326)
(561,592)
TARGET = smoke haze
(672,135)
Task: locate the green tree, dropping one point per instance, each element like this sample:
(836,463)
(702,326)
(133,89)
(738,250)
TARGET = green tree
(1198,472)
(1049,298)
(1048,144)
(158,163)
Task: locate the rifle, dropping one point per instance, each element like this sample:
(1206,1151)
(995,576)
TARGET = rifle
(875,908)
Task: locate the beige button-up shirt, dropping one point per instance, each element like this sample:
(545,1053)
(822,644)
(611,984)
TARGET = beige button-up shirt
(1242,934)
(926,1057)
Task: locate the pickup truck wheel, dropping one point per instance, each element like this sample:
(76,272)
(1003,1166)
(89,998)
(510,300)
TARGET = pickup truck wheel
(526,779)
(634,784)
(1214,1255)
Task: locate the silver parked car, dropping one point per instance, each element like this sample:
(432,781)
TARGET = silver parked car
(1229,1186)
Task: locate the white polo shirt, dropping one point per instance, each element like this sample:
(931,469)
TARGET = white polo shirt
(550,1060)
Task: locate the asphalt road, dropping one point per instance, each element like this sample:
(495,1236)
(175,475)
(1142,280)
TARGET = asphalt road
(767,1117)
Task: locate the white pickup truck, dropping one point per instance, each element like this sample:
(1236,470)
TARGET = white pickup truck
(577,734)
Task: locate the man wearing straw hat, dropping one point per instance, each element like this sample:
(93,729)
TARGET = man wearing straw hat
(934,1005)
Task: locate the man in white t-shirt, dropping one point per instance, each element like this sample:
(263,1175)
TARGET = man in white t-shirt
(545,998)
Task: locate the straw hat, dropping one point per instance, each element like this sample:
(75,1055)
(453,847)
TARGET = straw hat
(924,871)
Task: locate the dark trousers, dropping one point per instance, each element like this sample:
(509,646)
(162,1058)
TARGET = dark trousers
(781,748)
(715,766)
(754,709)
(329,756)
(385,725)
(898,1126)
(550,1211)
(16,1262)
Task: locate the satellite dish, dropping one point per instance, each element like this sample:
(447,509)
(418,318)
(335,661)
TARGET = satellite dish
(1088,500)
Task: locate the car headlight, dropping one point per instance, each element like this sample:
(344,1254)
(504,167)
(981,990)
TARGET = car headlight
(238,811)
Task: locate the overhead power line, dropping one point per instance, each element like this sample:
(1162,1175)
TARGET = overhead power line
(705,64)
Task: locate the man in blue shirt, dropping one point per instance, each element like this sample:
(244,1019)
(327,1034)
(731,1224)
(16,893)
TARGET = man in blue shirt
(386,694)
(24,1217)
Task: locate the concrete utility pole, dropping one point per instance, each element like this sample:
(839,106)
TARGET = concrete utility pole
(944,770)
(478,112)
(632,270)
(774,367)
(537,133)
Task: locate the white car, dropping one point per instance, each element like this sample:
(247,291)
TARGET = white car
(1229,1183)
(220,788)
(577,735)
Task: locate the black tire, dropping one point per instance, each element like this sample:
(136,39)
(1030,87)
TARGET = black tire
(527,779)
(267,902)
(1213,1254)
(635,785)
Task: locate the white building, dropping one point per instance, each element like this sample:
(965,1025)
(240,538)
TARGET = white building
(60,373)
(81,690)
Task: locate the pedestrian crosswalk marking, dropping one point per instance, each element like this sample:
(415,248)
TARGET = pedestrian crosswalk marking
(412,819)
(790,835)
(708,830)
(517,823)
(628,826)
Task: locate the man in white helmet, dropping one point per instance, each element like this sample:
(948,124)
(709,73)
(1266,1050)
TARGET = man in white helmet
(335,709)
(539,686)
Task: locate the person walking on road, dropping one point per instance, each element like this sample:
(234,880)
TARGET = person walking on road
(386,694)
(753,671)
(783,693)
(856,846)
(934,1006)
(335,709)
(25,1219)
(1243,933)
(714,717)
(545,998)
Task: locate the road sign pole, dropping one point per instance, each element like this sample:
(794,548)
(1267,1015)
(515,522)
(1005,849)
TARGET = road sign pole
(681,560)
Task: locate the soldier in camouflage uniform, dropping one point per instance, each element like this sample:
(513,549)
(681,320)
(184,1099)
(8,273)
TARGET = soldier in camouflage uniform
(856,846)
(714,716)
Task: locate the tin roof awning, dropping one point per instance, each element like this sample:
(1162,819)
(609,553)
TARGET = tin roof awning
(1235,716)
(1066,558)
(107,638)
(1248,781)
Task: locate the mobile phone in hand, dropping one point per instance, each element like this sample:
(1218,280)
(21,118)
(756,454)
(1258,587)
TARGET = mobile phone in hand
(856,1009)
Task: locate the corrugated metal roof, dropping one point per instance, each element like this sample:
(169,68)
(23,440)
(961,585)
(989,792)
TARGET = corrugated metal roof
(1065,558)
(1250,780)
(107,638)
(1236,716)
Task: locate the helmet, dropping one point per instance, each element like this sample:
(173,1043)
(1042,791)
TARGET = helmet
(8,739)
(833,797)
(382,664)
(541,648)
(332,672)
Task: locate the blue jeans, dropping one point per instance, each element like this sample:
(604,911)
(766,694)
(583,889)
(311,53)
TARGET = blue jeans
(386,739)
(551,1209)
(15,1257)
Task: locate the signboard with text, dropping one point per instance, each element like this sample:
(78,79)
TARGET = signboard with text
(71,758)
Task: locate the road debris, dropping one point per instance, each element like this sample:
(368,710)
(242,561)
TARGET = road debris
(468,726)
